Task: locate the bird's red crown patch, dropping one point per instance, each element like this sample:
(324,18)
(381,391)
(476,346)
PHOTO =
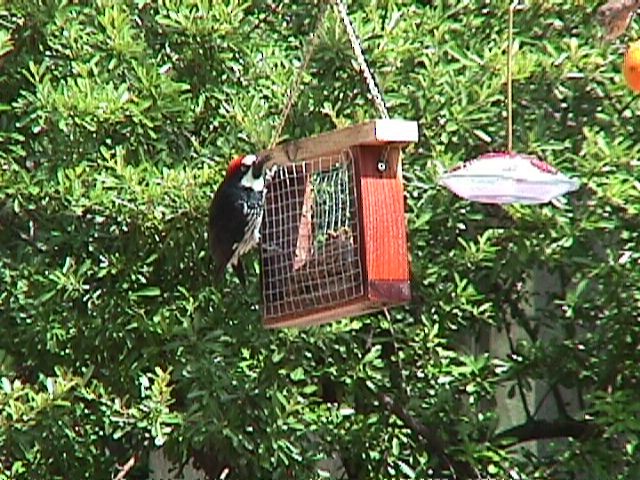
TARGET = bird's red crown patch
(234,165)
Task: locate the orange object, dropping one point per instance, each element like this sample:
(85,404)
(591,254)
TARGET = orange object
(631,67)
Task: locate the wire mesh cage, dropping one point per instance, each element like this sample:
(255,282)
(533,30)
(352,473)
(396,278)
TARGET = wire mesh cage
(333,239)
(310,240)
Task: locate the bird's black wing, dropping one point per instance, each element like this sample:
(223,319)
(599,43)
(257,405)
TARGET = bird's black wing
(225,229)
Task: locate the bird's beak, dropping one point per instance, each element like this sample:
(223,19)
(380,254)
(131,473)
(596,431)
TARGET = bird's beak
(258,166)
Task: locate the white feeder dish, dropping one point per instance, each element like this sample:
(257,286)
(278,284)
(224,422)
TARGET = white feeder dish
(507,177)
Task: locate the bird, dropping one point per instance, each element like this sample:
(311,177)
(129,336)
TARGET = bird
(235,214)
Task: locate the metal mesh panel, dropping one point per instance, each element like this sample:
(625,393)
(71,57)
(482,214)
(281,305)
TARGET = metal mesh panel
(310,238)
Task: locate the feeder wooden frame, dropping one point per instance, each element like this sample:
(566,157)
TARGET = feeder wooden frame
(379,199)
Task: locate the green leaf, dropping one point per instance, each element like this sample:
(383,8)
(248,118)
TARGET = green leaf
(147,292)
(6,385)
(297,374)
(406,469)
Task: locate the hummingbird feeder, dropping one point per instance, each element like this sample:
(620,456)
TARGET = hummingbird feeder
(508,177)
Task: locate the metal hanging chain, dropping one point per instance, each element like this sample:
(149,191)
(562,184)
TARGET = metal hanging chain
(294,90)
(364,67)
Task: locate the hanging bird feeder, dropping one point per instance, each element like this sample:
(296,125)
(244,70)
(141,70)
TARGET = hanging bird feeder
(508,177)
(333,238)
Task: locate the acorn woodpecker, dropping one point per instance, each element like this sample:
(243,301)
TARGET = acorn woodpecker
(235,213)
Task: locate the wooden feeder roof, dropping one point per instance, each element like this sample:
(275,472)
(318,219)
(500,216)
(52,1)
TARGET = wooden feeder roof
(374,133)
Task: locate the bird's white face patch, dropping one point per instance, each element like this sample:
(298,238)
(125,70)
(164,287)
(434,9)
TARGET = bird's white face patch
(248,180)
(249,160)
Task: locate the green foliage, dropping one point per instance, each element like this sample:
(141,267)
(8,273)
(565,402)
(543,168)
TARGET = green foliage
(116,120)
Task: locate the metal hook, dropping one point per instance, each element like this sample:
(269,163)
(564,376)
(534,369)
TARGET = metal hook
(383,163)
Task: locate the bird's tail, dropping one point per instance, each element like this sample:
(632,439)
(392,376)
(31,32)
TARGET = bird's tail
(218,273)
(239,269)
(219,270)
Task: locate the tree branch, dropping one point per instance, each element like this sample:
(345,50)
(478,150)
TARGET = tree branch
(124,470)
(512,348)
(542,429)
(557,396)
(460,469)
(413,424)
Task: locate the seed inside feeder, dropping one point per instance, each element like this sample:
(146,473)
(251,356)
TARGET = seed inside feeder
(507,177)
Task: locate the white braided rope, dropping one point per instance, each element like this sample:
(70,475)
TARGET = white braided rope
(364,67)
